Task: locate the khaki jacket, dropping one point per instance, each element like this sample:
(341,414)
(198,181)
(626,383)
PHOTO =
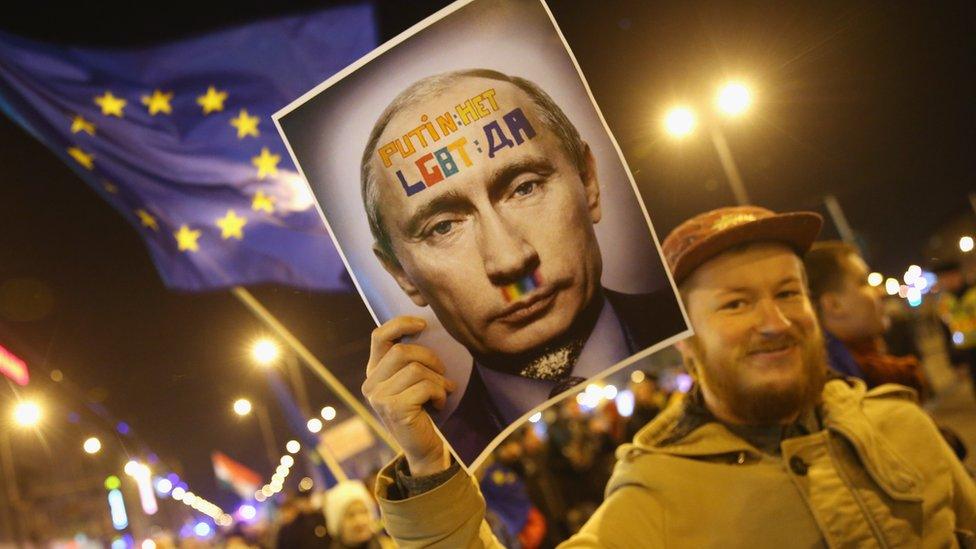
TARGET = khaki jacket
(877,475)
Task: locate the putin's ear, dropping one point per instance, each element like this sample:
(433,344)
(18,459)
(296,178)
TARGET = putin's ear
(393,267)
(591,184)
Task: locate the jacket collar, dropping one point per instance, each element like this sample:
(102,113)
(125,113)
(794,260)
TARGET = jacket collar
(686,428)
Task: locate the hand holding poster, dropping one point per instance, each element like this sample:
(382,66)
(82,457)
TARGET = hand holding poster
(468,179)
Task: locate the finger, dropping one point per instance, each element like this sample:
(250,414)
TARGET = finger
(421,393)
(401,354)
(409,375)
(387,334)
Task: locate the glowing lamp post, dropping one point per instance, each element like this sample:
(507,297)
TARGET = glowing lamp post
(265,351)
(27,413)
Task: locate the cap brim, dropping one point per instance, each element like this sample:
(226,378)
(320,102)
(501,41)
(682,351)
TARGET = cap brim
(798,230)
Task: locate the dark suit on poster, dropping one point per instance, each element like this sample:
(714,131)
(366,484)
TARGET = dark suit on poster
(644,319)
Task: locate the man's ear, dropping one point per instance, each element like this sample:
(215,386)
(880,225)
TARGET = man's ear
(831,305)
(393,267)
(688,356)
(591,184)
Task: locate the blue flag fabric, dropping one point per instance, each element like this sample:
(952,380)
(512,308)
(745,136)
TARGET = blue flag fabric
(179,139)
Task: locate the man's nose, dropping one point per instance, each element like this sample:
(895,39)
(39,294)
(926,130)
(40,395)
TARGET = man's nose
(772,320)
(507,256)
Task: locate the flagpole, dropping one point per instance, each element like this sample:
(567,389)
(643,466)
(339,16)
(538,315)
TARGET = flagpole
(313,363)
(331,462)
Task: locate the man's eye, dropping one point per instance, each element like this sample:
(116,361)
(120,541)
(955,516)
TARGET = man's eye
(526,188)
(733,305)
(787,294)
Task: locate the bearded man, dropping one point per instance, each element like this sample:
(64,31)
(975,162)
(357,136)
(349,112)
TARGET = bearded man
(765,451)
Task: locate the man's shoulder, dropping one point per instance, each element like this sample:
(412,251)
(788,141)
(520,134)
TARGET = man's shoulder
(647,318)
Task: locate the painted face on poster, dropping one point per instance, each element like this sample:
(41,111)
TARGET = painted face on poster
(503,214)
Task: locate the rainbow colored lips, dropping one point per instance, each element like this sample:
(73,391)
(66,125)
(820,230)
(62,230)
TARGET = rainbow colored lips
(511,292)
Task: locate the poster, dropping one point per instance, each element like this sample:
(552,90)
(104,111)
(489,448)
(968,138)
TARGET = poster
(467,177)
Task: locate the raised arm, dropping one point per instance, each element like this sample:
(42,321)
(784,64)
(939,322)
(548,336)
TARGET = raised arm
(426,500)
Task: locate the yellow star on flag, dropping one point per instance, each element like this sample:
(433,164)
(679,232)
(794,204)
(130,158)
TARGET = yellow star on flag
(111,105)
(262,202)
(109,186)
(186,239)
(231,226)
(147,219)
(83,158)
(246,125)
(158,102)
(79,124)
(266,163)
(212,101)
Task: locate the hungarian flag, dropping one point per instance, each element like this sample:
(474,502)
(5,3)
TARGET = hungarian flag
(236,476)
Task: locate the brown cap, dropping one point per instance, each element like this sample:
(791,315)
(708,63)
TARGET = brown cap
(709,234)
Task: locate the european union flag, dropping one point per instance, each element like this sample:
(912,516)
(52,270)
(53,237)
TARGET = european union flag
(179,139)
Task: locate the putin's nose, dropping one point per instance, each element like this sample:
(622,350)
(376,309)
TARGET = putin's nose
(506,255)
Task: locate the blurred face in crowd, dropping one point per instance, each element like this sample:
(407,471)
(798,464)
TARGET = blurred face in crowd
(644,391)
(356,525)
(757,353)
(951,280)
(510,450)
(856,310)
(525,214)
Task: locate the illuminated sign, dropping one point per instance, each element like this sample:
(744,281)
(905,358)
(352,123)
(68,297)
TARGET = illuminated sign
(13,367)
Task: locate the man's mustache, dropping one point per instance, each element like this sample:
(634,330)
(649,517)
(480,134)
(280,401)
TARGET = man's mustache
(772,344)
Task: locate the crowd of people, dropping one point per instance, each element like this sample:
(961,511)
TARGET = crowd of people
(547,478)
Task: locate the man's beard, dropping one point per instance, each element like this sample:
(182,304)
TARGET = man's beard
(767,405)
(555,359)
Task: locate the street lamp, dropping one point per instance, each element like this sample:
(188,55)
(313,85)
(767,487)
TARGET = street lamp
(242,406)
(265,351)
(679,121)
(966,244)
(92,445)
(328,413)
(733,98)
(27,413)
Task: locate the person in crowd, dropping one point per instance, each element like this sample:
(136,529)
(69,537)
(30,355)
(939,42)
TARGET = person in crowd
(507,496)
(852,315)
(301,524)
(350,516)
(767,450)
(957,308)
(531,459)
(649,400)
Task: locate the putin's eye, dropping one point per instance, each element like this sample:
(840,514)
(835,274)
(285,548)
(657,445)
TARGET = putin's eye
(525,189)
(442,228)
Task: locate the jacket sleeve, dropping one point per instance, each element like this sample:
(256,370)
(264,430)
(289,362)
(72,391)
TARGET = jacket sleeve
(629,517)
(448,516)
(963,497)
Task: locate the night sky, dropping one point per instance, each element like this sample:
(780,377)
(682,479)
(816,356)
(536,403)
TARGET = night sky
(872,102)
